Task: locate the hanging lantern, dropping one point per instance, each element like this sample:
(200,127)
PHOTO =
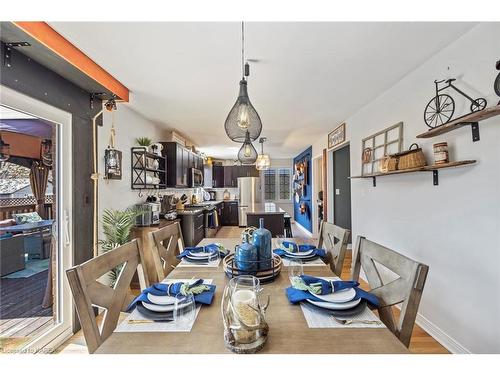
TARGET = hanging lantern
(243,119)
(247,154)
(4,150)
(46,152)
(263,161)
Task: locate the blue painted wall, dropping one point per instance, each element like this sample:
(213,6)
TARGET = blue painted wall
(304,219)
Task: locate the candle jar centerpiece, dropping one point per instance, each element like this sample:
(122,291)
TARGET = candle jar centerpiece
(245,327)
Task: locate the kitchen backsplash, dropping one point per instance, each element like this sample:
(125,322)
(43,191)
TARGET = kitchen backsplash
(198,192)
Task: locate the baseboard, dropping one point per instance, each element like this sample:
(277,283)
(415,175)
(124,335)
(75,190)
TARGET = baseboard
(440,336)
(304,230)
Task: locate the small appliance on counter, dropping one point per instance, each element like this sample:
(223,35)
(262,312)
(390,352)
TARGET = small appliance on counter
(150,214)
(168,202)
(213,195)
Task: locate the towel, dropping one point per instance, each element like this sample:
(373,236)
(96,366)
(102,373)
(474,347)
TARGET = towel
(211,248)
(203,293)
(298,292)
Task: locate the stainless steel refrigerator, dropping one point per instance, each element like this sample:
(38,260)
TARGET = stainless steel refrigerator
(249,193)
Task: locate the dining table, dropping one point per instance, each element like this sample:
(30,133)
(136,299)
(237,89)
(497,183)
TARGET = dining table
(288,329)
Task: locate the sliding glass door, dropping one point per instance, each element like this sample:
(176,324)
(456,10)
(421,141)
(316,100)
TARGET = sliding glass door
(36,192)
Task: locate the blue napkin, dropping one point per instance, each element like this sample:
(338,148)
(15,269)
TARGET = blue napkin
(211,248)
(297,295)
(173,289)
(294,248)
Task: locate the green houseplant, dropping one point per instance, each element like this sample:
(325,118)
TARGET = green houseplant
(116,226)
(144,141)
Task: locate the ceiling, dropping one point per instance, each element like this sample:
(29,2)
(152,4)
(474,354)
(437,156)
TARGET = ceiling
(309,77)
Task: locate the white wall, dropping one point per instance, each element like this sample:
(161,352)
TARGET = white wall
(117,194)
(454,227)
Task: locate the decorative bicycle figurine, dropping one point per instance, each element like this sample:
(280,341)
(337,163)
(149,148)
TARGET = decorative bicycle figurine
(440,109)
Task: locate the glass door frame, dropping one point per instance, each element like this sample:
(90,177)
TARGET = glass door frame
(49,340)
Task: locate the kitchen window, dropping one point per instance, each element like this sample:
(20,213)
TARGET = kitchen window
(277,184)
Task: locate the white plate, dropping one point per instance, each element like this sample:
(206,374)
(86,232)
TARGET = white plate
(300,253)
(294,256)
(341,296)
(160,308)
(161,300)
(335,306)
(201,254)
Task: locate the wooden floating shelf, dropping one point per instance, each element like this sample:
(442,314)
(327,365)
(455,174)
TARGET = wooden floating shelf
(428,168)
(471,119)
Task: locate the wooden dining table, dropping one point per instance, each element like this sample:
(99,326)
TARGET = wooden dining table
(288,329)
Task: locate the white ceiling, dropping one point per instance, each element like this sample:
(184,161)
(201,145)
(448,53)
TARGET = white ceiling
(309,77)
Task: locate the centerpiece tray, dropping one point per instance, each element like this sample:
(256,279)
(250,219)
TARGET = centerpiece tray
(264,275)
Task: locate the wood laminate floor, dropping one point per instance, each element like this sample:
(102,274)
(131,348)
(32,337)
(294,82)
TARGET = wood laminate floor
(421,341)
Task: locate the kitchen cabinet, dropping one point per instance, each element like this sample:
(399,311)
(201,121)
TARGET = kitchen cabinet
(179,160)
(230,177)
(229,213)
(218,176)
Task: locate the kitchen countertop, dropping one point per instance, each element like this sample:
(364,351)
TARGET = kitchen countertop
(265,208)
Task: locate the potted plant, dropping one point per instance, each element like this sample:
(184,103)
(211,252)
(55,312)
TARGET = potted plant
(116,226)
(144,142)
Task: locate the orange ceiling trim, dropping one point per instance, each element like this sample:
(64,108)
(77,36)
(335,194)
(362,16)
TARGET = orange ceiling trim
(54,41)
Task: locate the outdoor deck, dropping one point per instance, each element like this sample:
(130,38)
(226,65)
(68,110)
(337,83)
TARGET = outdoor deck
(21,312)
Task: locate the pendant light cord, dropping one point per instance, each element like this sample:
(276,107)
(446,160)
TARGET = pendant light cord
(243,49)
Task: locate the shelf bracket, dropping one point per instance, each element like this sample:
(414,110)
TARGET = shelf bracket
(435,177)
(475,131)
(374,180)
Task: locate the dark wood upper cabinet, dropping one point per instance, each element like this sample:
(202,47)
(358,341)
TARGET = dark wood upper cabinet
(218,176)
(230,177)
(179,160)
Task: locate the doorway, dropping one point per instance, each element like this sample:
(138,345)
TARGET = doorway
(36,209)
(342,188)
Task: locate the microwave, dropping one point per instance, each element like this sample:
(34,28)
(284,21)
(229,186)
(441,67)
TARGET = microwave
(195,178)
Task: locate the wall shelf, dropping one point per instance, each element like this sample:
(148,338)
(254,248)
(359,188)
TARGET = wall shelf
(471,119)
(428,168)
(141,169)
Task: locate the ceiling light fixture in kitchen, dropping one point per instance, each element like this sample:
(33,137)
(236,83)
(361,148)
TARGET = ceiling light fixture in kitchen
(263,161)
(243,119)
(247,154)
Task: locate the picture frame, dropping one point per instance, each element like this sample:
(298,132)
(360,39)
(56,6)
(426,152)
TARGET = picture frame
(337,136)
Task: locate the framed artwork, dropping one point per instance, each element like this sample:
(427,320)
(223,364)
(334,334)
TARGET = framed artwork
(112,164)
(337,136)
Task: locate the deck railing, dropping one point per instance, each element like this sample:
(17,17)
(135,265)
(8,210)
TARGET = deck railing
(11,206)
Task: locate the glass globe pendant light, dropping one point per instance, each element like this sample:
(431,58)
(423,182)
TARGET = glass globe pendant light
(243,118)
(263,161)
(247,154)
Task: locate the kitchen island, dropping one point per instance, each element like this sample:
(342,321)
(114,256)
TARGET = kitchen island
(273,215)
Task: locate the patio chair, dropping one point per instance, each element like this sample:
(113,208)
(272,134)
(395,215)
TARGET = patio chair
(169,243)
(88,291)
(404,283)
(11,255)
(333,239)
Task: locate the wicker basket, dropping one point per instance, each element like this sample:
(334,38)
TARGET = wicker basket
(413,158)
(388,163)
(264,276)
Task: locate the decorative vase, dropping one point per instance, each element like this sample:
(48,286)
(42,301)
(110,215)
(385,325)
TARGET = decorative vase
(262,241)
(246,256)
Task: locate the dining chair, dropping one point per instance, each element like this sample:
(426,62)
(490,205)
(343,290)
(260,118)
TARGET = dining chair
(333,239)
(169,243)
(403,284)
(88,291)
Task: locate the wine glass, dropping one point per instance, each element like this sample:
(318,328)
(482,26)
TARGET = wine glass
(295,268)
(184,310)
(213,258)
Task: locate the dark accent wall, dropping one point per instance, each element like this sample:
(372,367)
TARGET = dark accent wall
(304,219)
(32,79)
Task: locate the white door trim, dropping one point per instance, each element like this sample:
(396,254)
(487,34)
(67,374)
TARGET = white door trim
(62,328)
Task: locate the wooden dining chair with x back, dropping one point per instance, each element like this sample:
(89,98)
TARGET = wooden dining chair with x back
(88,291)
(333,239)
(169,243)
(394,279)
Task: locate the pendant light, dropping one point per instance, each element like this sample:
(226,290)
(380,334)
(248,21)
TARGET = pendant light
(263,161)
(243,119)
(4,150)
(247,154)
